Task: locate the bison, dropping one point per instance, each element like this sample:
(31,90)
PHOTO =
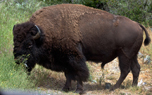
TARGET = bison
(63,37)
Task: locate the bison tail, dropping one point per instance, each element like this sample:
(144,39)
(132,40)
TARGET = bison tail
(147,40)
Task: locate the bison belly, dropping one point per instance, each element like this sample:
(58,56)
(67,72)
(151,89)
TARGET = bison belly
(99,53)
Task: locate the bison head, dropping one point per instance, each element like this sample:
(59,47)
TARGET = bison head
(27,41)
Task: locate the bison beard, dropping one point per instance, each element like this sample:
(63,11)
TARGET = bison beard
(63,37)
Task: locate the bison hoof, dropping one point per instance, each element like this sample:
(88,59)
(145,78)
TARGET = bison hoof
(80,91)
(112,89)
(65,89)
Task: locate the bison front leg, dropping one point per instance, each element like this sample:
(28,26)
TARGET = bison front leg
(77,70)
(29,67)
(67,85)
(80,89)
(28,70)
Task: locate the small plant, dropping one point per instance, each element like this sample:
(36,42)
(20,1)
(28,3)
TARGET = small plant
(102,78)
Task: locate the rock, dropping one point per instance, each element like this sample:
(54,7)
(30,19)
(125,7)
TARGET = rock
(140,55)
(94,81)
(147,59)
(149,88)
(141,83)
(107,85)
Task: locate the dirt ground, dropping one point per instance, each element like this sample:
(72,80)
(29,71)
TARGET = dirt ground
(52,85)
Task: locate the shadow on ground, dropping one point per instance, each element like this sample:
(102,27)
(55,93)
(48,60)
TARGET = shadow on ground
(50,80)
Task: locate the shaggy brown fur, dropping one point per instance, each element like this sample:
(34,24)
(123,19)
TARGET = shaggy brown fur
(72,34)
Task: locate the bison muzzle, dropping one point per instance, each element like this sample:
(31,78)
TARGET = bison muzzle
(63,37)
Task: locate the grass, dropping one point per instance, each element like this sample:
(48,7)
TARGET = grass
(14,76)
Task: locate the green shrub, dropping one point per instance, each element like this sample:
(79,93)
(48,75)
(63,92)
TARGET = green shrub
(100,4)
(137,10)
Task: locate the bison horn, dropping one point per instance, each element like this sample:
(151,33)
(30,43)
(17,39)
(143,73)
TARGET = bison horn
(38,33)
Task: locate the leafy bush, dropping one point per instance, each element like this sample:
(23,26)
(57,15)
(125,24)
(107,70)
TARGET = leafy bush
(100,4)
(137,10)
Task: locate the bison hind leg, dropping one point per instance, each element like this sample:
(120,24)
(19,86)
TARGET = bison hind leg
(124,65)
(135,68)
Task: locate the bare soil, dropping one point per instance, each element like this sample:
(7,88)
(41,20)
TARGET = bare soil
(53,82)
